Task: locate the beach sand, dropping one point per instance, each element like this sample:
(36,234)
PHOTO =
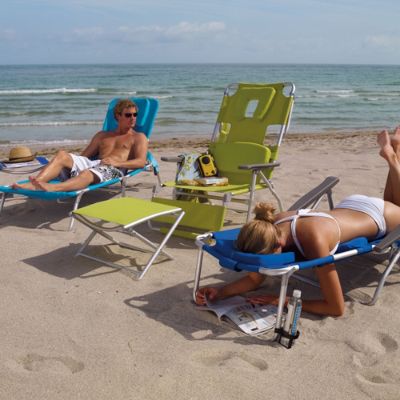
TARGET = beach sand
(72,328)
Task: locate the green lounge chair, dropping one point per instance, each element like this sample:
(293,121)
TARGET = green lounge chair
(248,111)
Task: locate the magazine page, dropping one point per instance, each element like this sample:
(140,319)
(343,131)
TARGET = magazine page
(7,165)
(212,180)
(222,307)
(253,319)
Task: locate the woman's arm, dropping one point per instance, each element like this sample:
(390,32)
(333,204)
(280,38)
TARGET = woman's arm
(316,246)
(332,302)
(249,282)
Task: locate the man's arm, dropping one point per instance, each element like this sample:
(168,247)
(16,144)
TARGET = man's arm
(92,148)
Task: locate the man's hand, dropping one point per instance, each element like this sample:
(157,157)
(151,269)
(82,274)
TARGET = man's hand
(109,161)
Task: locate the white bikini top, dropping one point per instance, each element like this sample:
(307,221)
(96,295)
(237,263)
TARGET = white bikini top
(307,213)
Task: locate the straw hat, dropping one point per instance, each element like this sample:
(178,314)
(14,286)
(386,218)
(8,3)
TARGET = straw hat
(19,154)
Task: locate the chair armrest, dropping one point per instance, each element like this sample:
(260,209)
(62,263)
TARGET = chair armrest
(259,166)
(172,158)
(388,240)
(314,194)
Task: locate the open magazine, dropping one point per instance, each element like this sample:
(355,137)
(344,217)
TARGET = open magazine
(6,165)
(251,319)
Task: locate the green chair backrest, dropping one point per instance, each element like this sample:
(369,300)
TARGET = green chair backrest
(198,218)
(228,156)
(246,115)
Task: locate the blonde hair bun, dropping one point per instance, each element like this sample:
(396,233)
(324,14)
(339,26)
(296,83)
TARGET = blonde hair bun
(264,212)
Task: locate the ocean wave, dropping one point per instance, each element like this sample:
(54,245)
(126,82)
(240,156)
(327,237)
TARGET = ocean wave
(342,93)
(160,97)
(46,91)
(127,93)
(335,91)
(43,143)
(48,123)
(29,113)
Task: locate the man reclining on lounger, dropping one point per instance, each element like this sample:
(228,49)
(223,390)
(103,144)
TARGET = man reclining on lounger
(122,148)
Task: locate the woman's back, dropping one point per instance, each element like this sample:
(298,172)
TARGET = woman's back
(320,232)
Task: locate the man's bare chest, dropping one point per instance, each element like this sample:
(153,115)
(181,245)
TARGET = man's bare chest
(117,142)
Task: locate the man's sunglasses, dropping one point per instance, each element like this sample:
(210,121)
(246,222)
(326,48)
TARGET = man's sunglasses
(129,115)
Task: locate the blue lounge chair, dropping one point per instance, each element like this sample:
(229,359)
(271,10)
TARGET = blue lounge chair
(221,245)
(147,112)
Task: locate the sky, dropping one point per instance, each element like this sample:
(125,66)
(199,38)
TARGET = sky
(202,31)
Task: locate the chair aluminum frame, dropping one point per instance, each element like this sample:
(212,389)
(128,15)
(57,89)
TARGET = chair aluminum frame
(129,229)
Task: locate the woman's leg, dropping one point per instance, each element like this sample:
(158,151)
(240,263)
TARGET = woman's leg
(390,151)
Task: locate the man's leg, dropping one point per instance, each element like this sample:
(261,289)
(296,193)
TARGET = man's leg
(61,160)
(84,179)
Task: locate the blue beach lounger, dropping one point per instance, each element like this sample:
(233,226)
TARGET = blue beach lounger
(147,113)
(221,245)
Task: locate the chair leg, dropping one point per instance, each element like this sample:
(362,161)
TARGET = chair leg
(3,199)
(85,243)
(393,260)
(123,186)
(162,244)
(282,299)
(76,204)
(285,274)
(272,190)
(158,249)
(251,196)
(145,240)
(199,265)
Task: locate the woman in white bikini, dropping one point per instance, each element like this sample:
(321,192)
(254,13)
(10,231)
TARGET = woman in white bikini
(318,234)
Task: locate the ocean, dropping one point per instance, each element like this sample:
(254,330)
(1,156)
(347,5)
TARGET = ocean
(52,104)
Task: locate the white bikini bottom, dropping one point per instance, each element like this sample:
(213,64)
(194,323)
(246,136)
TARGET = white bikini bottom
(372,206)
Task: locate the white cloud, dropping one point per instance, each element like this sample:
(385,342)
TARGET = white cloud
(7,35)
(181,31)
(184,28)
(146,33)
(384,41)
(88,34)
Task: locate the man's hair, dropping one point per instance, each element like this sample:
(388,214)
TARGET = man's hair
(122,104)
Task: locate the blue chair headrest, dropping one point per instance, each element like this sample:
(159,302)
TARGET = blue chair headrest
(148,108)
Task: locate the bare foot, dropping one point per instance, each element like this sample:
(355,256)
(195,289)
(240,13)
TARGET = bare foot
(27,186)
(46,187)
(387,151)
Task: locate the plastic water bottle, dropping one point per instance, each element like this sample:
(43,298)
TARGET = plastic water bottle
(293,314)
(297,311)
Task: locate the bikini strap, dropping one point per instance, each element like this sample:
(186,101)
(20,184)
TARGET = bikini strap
(294,219)
(307,212)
